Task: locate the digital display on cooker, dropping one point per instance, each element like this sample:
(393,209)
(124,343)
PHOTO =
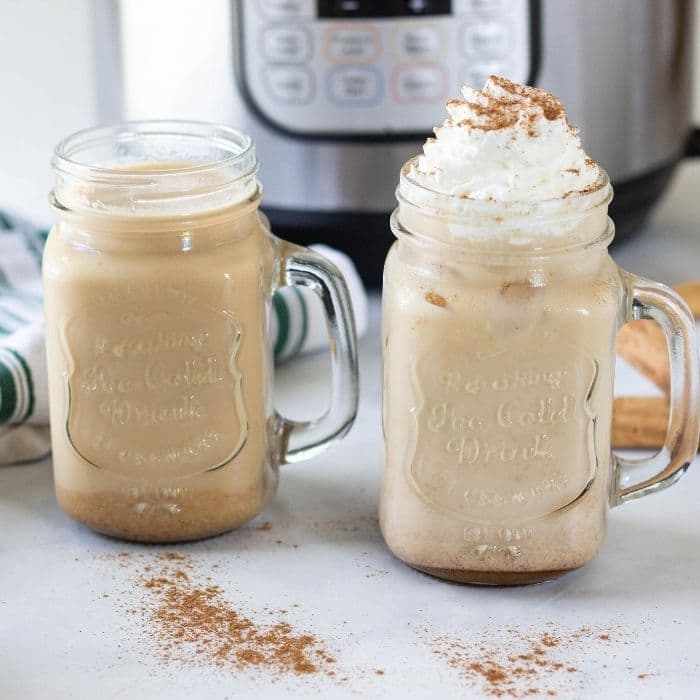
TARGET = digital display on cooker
(383,8)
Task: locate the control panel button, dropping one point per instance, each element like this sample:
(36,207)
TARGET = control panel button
(482,8)
(485,40)
(289,84)
(475,75)
(286,44)
(418,7)
(419,83)
(352,45)
(288,9)
(418,43)
(488,7)
(359,87)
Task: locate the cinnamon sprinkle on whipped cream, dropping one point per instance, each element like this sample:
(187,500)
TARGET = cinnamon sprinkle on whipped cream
(506,142)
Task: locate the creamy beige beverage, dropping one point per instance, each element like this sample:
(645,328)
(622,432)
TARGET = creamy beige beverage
(497,411)
(147,361)
(500,314)
(158,280)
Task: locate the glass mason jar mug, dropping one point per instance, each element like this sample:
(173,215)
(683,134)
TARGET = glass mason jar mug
(158,280)
(499,326)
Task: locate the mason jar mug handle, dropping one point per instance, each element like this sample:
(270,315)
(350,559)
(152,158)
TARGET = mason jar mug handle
(300,440)
(636,478)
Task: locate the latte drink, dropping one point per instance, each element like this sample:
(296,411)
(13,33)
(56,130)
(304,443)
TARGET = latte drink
(158,282)
(501,308)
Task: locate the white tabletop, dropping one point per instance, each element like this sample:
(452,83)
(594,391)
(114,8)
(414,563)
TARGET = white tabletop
(64,632)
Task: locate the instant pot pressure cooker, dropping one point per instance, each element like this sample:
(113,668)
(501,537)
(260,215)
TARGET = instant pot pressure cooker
(339,93)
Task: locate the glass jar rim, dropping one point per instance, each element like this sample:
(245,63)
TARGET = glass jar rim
(506,255)
(418,194)
(512,228)
(166,169)
(239,144)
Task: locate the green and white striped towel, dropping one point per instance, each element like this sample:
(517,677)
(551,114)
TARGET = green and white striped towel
(298,325)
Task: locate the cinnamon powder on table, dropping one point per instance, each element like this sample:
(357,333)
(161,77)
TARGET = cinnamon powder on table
(189,620)
(524,663)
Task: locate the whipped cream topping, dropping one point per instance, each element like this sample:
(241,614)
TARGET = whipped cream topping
(506,142)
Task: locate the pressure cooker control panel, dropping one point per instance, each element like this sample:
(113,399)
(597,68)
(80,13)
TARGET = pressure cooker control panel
(374,68)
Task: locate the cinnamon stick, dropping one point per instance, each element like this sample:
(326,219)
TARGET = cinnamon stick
(639,421)
(643,344)
(690,291)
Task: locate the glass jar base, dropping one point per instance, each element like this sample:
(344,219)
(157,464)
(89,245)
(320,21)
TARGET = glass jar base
(198,516)
(493,578)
